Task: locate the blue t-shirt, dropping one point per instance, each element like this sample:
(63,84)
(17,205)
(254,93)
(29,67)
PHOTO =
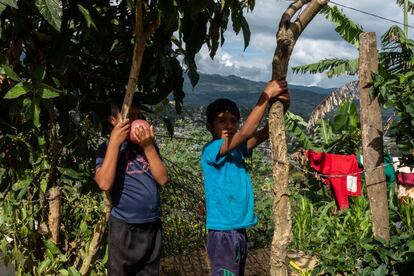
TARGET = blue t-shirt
(228,188)
(135,194)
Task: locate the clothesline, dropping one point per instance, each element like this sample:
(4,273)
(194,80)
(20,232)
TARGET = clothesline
(292,160)
(341,175)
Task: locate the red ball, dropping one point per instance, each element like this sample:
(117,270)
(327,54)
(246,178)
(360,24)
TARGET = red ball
(135,124)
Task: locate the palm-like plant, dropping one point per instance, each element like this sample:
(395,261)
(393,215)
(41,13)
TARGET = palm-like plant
(394,82)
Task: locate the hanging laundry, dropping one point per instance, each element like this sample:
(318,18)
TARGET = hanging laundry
(400,168)
(405,180)
(389,170)
(349,181)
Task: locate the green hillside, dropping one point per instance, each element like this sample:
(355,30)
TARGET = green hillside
(246,92)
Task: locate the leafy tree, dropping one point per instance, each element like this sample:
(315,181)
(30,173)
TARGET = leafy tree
(59,61)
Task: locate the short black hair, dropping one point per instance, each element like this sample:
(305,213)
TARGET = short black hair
(221,105)
(114,103)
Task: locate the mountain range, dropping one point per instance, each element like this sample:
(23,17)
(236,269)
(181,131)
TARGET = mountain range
(246,93)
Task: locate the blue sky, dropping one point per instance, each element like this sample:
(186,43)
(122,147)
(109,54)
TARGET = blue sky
(318,41)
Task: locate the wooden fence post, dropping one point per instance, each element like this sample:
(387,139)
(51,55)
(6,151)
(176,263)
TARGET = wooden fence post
(372,132)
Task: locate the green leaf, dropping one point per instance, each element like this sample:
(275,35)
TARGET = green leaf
(43,185)
(11,3)
(168,124)
(87,16)
(340,121)
(332,67)
(8,70)
(24,231)
(380,271)
(36,111)
(41,141)
(70,173)
(2,8)
(367,246)
(51,10)
(47,92)
(44,265)
(17,91)
(52,247)
(73,271)
(345,27)
(21,184)
(192,70)
(293,123)
(246,32)
(83,226)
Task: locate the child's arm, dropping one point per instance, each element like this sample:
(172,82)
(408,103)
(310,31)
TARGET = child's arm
(105,174)
(263,134)
(274,89)
(259,137)
(145,138)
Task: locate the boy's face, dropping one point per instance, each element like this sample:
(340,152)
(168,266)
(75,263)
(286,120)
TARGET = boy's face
(134,114)
(225,125)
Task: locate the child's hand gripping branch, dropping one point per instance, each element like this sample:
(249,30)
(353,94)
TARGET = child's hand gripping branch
(276,90)
(145,139)
(226,179)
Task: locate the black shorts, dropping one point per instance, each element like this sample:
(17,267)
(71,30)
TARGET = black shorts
(227,251)
(134,249)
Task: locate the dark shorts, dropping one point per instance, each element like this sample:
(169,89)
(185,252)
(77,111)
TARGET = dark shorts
(134,249)
(227,252)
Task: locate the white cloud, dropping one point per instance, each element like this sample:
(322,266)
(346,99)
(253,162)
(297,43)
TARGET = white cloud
(318,41)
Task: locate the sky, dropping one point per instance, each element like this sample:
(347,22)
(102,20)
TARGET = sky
(318,41)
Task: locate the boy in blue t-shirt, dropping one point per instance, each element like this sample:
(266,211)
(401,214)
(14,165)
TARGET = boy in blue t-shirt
(227,186)
(132,173)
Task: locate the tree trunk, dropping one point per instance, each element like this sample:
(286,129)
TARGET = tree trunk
(287,36)
(281,201)
(54,192)
(372,142)
(54,213)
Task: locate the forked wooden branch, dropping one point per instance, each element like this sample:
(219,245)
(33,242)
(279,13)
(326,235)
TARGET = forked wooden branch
(286,38)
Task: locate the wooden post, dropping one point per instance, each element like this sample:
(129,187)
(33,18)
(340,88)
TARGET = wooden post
(372,132)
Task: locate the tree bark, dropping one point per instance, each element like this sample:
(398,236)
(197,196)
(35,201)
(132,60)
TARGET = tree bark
(54,192)
(54,213)
(372,142)
(286,37)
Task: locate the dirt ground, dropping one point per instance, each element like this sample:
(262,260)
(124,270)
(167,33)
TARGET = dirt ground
(257,263)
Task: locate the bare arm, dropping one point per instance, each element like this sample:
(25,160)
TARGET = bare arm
(145,139)
(263,134)
(105,175)
(274,89)
(258,138)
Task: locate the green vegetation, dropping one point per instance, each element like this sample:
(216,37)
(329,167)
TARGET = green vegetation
(61,59)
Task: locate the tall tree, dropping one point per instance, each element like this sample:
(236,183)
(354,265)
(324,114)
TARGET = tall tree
(286,38)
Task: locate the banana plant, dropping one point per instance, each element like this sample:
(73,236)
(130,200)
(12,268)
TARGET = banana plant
(393,83)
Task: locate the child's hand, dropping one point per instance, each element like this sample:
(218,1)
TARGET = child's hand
(145,136)
(120,132)
(284,98)
(276,87)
